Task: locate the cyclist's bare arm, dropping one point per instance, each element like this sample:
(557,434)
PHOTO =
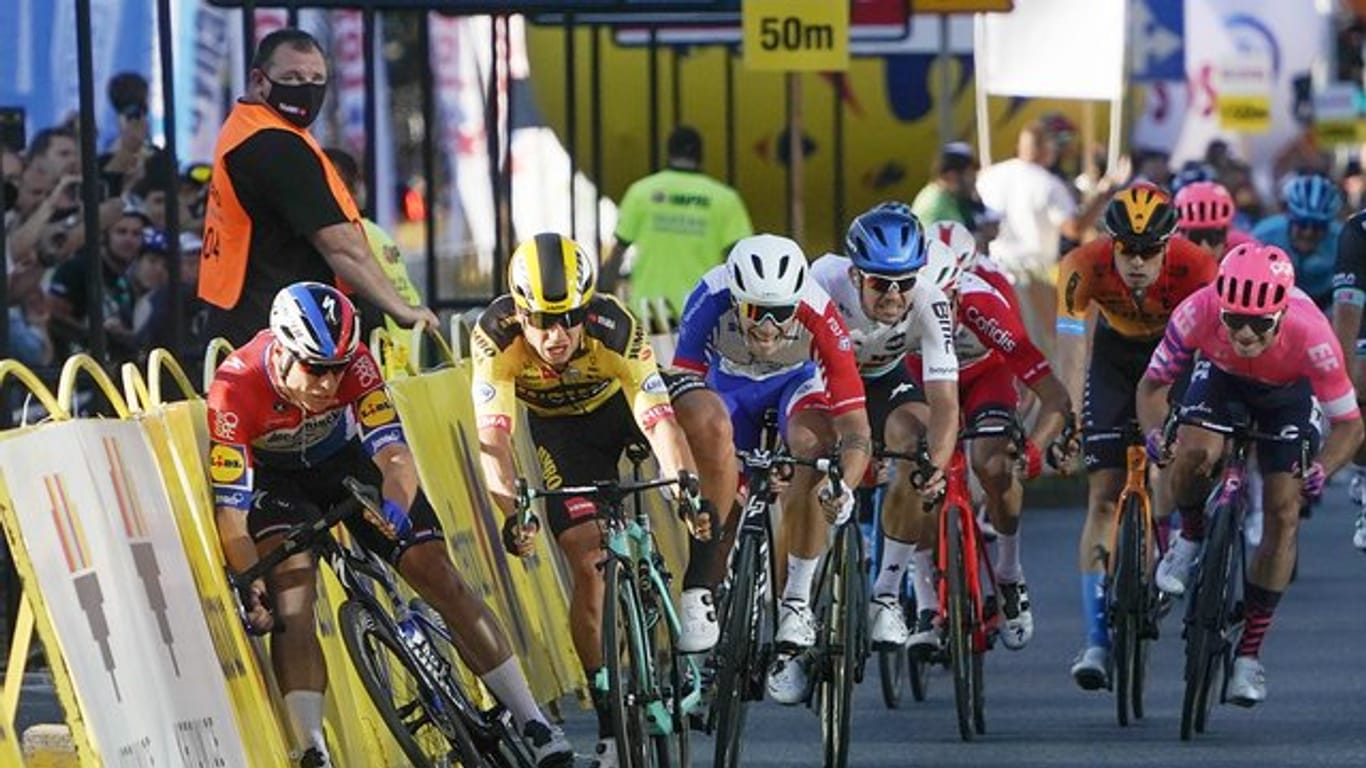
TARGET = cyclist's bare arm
(1346,323)
(1151,403)
(1344,438)
(856,444)
(1055,409)
(942,398)
(238,549)
(670,446)
(395,462)
(500,473)
(1071,364)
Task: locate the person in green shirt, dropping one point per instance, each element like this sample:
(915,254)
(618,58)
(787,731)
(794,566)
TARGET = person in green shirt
(948,196)
(681,222)
(386,252)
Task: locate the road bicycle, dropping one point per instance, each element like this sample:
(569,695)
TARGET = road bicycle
(1132,598)
(1214,613)
(841,650)
(652,689)
(402,651)
(972,616)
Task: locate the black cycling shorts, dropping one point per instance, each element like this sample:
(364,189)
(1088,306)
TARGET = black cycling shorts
(287,497)
(886,393)
(581,449)
(1285,409)
(680,382)
(1117,365)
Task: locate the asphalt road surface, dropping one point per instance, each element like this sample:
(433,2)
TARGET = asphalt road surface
(1037,717)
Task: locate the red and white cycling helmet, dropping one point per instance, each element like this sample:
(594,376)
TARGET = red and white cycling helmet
(1255,279)
(958,239)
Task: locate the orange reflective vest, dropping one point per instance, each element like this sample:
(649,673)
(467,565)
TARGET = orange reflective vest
(227,226)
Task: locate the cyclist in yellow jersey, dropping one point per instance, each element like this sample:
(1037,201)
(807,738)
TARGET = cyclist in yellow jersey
(582,366)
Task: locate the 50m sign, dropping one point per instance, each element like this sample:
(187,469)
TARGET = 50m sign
(796,35)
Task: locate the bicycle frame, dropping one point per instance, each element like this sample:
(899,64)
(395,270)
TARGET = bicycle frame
(1135,487)
(975,555)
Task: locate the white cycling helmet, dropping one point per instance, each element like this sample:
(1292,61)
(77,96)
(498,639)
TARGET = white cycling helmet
(942,266)
(767,270)
(957,238)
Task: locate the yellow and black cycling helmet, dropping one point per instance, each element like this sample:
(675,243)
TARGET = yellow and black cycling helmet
(1141,217)
(551,273)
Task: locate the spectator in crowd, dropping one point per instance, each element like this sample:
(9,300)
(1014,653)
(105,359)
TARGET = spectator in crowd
(55,151)
(278,213)
(1038,209)
(149,274)
(1152,165)
(949,195)
(158,329)
(68,292)
(386,252)
(681,222)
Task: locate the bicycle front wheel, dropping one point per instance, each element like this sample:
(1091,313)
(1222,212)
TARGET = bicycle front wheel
(843,643)
(626,657)
(736,654)
(1127,606)
(672,683)
(1205,644)
(423,721)
(960,625)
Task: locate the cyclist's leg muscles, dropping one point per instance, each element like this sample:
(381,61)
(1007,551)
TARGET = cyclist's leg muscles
(706,423)
(991,398)
(809,434)
(898,415)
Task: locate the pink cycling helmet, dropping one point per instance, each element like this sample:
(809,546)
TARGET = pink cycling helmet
(1255,280)
(1204,205)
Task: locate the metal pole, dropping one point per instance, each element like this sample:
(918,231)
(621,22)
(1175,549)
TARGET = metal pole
(838,138)
(429,127)
(172,177)
(505,95)
(90,199)
(371,116)
(676,84)
(979,36)
(945,100)
(653,70)
(248,32)
(795,177)
(730,117)
(571,116)
(595,105)
(292,9)
(494,139)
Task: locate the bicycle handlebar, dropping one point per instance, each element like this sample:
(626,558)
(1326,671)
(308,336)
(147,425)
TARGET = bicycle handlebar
(301,537)
(613,490)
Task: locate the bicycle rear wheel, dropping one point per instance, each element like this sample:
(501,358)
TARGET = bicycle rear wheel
(1126,608)
(671,748)
(626,655)
(842,644)
(736,654)
(423,720)
(959,626)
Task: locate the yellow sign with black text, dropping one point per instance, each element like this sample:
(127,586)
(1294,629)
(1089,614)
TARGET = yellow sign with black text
(1247,113)
(796,35)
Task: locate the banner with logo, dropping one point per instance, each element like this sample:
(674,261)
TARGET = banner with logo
(98,530)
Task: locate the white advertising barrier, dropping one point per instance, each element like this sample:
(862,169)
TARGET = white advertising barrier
(98,528)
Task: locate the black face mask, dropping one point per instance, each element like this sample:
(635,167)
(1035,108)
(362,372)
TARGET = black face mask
(299,104)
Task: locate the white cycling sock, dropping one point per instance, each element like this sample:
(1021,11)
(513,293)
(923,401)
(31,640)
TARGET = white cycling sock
(1008,558)
(800,572)
(895,556)
(926,596)
(305,710)
(509,686)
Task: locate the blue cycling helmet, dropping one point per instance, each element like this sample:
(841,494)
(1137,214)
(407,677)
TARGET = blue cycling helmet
(1311,197)
(893,205)
(886,240)
(1192,172)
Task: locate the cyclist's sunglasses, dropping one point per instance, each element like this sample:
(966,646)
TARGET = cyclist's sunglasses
(885,283)
(315,368)
(1259,324)
(544,321)
(1210,236)
(758,313)
(1146,253)
(1310,225)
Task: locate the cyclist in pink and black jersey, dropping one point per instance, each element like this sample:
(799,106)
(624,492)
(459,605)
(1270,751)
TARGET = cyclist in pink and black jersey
(1263,345)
